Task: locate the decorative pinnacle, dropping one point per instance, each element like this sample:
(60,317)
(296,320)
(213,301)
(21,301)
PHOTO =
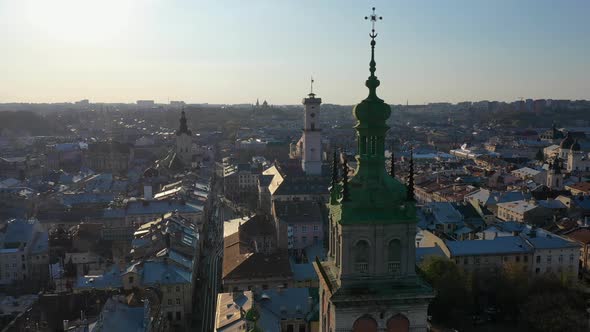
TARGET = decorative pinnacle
(392,168)
(335,169)
(311,94)
(411,177)
(345,193)
(373,83)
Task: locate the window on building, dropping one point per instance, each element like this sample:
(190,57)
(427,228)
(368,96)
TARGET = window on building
(169,301)
(505,258)
(130,279)
(526,259)
(178,315)
(316,228)
(549,259)
(177,289)
(290,328)
(302,328)
(571,258)
(394,252)
(476,260)
(303,229)
(169,315)
(560,259)
(178,301)
(538,259)
(315,239)
(517,259)
(537,271)
(361,256)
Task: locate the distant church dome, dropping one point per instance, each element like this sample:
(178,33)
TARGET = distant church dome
(567,142)
(576,147)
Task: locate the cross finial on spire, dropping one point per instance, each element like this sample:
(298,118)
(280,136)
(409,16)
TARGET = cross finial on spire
(372,65)
(373,18)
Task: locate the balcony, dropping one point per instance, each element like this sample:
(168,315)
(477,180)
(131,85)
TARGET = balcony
(361,267)
(394,267)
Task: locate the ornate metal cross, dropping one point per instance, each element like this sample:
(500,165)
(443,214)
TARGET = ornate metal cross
(373,18)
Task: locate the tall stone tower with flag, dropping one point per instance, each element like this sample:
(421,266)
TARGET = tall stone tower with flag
(368,281)
(311,159)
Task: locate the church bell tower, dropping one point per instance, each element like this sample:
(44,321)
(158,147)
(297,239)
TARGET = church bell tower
(368,281)
(311,160)
(184,141)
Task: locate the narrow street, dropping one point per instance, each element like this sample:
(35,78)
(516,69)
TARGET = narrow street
(211,268)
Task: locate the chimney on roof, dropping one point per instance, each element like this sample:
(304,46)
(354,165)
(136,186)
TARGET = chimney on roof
(147,192)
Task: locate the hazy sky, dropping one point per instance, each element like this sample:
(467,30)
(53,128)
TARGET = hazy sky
(234,51)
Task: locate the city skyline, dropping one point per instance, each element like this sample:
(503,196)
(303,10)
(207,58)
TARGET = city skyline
(234,53)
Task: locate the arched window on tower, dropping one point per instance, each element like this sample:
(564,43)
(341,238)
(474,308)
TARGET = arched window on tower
(398,323)
(394,253)
(365,323)
(361,256)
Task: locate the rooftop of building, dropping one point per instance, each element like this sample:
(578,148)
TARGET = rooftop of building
(520,206)
(294,212)
(120,317)
(496,246)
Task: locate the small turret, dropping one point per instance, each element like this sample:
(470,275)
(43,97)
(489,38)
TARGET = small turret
(345,192)
(392,168)
(411,178)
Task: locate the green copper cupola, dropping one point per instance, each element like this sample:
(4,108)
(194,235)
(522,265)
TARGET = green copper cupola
(373,195)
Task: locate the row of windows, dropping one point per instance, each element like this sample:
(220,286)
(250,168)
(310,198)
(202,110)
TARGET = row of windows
(559,269)
(178,315)
(169,289)
(559,259)
(304,228)
(393,267)
(304,240)
(13,257)
(517,259)
(177,301)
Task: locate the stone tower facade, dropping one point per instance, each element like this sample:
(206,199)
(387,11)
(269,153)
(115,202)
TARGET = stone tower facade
(368,281)
(311,159)
(555,176)
(184,141)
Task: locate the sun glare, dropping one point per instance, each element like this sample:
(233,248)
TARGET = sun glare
(81,21)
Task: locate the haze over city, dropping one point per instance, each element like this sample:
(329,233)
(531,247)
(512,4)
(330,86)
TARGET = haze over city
(294,166)
(236,51)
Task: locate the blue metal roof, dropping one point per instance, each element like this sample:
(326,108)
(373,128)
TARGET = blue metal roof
(154,272)
(424,252)
(499,245)
(118,317)
(108,280)
(161,207)
(19,231)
